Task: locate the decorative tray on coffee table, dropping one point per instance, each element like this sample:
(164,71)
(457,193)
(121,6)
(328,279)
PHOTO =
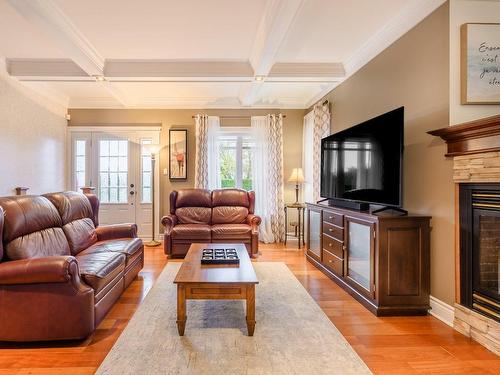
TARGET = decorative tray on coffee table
(220,256)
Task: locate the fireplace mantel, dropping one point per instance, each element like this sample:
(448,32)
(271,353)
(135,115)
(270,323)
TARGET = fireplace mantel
(472,137)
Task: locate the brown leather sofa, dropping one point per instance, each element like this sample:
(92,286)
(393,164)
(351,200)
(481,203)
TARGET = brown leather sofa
(199,216)
(60,272)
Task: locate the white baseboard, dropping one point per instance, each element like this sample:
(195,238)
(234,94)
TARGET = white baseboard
(442,311)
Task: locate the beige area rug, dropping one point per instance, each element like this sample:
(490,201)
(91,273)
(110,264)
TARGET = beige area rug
(292,334)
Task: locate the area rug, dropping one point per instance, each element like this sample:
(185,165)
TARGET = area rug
(292,334)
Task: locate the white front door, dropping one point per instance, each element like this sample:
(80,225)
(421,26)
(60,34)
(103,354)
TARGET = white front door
(114,162)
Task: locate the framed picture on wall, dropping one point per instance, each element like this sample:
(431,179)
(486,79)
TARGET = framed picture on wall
(177,157)
(480,63)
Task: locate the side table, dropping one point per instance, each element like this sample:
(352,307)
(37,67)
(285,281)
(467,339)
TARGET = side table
(301,208)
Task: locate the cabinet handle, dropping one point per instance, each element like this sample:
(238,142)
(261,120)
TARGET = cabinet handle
(330,244)
(330,230)
(343,247)
(330,261)
(330,217)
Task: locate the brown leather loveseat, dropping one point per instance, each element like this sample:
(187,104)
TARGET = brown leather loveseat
(199,215)
(60,272)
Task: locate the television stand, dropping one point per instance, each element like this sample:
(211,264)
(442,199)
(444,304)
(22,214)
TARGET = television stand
(389,208)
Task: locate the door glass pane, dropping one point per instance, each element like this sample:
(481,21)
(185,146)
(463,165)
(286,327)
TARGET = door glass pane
(113,171)
(146,172)
(359,254)
(227,155)
(80,160)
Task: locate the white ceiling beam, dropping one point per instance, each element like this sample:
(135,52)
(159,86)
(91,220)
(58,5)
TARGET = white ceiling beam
(306,72)
(51,21)
(161,70)
(273,27)
(117,94)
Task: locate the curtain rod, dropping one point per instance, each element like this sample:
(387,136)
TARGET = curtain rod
(236,117)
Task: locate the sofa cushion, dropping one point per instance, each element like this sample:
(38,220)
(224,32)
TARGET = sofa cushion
(32,228)
(231,231)
(99,269)
(194,215)
(77,219)
(191,198)
(191,232)
(130,247)
(229,215)
(230,197)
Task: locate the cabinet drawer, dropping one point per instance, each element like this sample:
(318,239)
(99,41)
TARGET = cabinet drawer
(333,231)
(333,246)
(333,218)
(333,263)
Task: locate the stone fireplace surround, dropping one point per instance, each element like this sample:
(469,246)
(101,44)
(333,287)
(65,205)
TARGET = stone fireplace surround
(475,149)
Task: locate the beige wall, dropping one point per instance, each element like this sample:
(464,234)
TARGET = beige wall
(413,72)
(32,141)
(182,118)
(464,11)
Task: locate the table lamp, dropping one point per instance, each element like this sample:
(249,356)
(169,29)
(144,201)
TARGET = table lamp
(297,177)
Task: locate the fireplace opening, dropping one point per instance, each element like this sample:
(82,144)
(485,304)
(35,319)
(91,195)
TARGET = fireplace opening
(480,248)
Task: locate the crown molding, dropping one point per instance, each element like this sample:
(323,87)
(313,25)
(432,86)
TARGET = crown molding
(52,21)
(392,31)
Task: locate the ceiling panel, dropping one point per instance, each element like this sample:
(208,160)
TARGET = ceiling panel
(332,30)
(19,39)
(168,29)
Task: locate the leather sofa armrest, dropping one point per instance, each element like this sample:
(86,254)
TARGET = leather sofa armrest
(53,269)
(109,232)
(254,221)
(169,221)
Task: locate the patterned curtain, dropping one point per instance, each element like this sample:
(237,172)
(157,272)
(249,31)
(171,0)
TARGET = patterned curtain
(267,176)
(207,171)
(201,159)
(321,129)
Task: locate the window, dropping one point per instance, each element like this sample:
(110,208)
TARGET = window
(235,160)
(146,172)
(113,171)
(80,163)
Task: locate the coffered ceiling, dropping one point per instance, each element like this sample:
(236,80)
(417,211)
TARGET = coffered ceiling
(196,53)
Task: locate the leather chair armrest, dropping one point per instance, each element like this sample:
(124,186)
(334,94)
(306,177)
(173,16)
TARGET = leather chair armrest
(169,221)
(53,269)
(254,221)
(110,232)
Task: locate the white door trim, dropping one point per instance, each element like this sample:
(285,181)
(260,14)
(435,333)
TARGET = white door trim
(115,128)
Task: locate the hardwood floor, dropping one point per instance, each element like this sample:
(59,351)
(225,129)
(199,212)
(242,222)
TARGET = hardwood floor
(396,345)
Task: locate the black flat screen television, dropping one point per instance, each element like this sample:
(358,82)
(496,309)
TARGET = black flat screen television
(364,163)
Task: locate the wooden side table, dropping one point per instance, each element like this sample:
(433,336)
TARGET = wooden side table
(301,209)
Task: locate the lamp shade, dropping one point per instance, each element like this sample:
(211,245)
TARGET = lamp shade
(151,148)
(297,176)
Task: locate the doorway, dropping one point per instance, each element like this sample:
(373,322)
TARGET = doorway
(114,162)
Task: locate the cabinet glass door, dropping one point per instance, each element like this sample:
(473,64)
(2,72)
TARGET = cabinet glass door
(360,260)
(314,232)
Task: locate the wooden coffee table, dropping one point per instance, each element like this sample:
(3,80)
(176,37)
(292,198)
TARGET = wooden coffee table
(222,281)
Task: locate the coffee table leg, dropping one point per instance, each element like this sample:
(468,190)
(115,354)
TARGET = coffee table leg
(181,309)
(250,309)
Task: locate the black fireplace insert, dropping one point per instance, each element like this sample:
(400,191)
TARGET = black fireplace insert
(479,211)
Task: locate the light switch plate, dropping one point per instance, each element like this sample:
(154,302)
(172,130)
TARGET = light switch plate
(165,171)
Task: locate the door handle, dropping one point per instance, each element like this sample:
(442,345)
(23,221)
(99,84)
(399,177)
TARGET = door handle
(132,192)
(132,185)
